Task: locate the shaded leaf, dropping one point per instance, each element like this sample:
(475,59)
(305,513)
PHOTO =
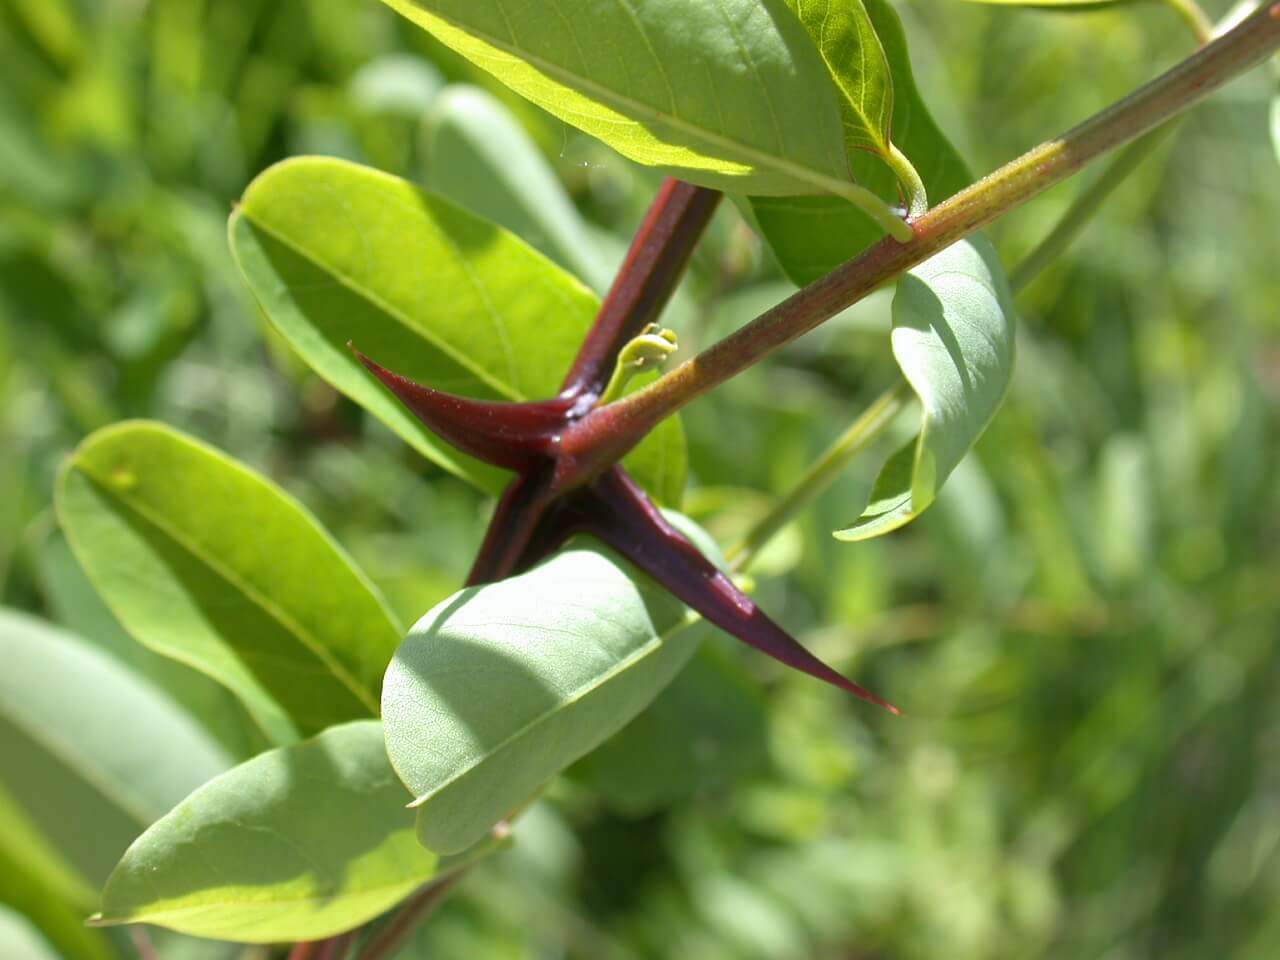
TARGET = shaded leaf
(79,608)
(729,94)
(479,156)
(705,730)
(92,753)
(209,563)
(811,236)
(500,687)
(37,882)
(953,338)
(339,253)
(299,843)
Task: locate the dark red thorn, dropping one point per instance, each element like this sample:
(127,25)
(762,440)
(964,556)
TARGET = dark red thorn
(618,512)
(508,546)
(648,276)
(514,436)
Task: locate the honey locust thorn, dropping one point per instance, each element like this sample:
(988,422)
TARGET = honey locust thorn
(555,496)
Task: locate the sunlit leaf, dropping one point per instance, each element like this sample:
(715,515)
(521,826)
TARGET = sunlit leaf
(299,843)
(209,563)
(729,94)
(812,235)
(953,338)
(500,687)
(78,607)
(89,751)
(847,42)
(338,253)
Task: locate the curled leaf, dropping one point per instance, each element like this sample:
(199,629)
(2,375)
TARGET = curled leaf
(953,338)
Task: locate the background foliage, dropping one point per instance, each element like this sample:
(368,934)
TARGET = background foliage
(1082,631)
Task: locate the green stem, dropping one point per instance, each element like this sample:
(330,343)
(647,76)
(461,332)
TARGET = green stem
(909,179)
(1195,18)
(861,434)
(603,436)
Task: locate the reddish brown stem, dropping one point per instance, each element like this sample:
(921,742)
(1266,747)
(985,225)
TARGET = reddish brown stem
(648,276)
(599,439)
(407,918)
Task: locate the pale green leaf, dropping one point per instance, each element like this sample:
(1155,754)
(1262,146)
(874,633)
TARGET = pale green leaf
(953,338)
(299,843)
(20,938)
(479,156)
(847,42)
(211,564)
(88,750)
(730,94)
(811,236)
(500,687)
(36,881)
(339,253)
(1275,125)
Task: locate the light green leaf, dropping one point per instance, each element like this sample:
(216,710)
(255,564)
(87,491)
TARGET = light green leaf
(299,843)
(89,751)
(847,42)
(209,563)
(339,253)
(20,938)
(729,94)
(78,607)
(500,687)
(953,338)
(479,156)
(812,235)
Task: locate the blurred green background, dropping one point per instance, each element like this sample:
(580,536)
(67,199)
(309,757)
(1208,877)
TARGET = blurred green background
(1084,631)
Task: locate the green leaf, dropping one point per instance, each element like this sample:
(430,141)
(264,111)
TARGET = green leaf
(953,338)
(479,156)
(36,881)
(847,42)
(20,938)
(702,732)
(500,687)
(811,236)
(1051,3)
(729,94)
(78,607)
(209,563)
(299,843)
(339,253)
(1275,125)
(92,753)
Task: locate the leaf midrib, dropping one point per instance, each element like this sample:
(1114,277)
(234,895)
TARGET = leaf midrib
(386,308)
(273,611)
(568,702)
(829,184)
